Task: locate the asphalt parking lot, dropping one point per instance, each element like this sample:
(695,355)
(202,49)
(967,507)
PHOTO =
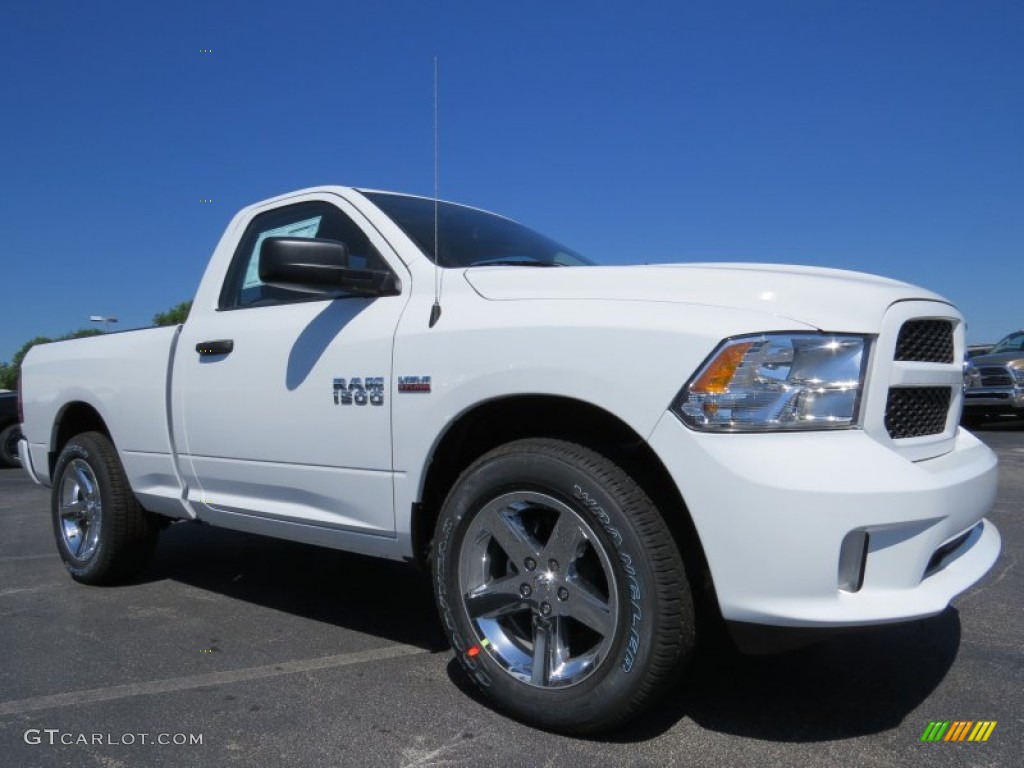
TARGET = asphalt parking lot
(282,654)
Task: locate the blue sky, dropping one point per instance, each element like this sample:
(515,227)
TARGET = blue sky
(879,135)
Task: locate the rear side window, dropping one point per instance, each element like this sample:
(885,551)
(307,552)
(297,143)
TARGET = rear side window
(243,287)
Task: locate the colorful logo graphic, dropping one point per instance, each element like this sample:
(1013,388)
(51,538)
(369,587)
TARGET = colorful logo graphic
(958,730)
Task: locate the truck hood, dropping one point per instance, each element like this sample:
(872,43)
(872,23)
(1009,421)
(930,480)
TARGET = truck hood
(1000,358)
(828,299)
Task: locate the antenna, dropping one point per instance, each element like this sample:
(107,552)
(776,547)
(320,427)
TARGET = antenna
(435,311)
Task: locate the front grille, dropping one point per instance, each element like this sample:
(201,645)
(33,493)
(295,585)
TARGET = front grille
(925,341)
(917,411)
(992,376)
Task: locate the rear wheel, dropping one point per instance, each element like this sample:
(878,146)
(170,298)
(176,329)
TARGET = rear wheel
(9,437)
(103,534)
(560,586)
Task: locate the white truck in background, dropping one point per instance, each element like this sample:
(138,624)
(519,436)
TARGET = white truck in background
(587,456)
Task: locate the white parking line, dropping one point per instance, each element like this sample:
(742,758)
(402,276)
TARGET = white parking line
(114,692)
(36,588)
(4,559)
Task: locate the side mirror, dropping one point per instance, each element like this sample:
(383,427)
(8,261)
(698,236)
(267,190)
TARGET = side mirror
(319,266)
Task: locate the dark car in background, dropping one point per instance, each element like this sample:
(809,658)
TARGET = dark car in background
(994,381)
(10,430)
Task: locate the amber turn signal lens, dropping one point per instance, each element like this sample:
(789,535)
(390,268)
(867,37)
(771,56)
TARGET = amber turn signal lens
(716,377)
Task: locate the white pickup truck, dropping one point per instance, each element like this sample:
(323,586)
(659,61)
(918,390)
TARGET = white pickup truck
(587,456)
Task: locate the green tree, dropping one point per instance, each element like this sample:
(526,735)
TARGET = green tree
(81,333)
(173,316)
(9,371)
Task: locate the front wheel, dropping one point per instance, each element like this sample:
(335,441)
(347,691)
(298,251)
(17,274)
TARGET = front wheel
(560,586)
(103,535)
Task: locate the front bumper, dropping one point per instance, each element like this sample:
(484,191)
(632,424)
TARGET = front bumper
(773,512)
(995,398)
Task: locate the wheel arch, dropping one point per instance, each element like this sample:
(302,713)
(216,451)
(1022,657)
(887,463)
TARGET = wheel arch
(499,421)
(73,419)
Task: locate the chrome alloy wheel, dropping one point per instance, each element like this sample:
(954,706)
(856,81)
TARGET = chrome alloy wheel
(539,589)
(80,509)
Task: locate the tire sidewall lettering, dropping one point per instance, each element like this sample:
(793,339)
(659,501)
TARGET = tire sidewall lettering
(459,645)
(633,582)
(598,512)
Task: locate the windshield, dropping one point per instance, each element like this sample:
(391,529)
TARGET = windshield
(468,237)
(1012,343)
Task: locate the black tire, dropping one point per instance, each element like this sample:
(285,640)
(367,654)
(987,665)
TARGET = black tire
(627,602)
(103,535)
(9,437)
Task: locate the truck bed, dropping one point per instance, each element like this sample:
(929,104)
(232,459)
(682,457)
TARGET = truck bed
(124,378)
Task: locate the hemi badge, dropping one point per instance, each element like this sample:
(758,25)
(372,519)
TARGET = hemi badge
(414,384)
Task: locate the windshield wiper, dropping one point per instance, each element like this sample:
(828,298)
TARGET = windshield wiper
(515,263)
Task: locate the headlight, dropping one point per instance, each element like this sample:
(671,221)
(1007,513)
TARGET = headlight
(972,376)
(777,382)
(1018,376)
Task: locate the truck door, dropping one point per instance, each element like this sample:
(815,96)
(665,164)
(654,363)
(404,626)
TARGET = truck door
(281,404)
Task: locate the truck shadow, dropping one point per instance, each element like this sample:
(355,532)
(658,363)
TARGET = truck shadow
(1001,424)
(855,684)
(314,339)
(369,595)
(864,682)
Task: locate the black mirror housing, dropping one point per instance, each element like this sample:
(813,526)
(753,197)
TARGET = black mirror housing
(319,266)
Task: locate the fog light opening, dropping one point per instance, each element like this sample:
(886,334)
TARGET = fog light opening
(853,557)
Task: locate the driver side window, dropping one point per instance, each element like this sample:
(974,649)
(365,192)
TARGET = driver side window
(243,287)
